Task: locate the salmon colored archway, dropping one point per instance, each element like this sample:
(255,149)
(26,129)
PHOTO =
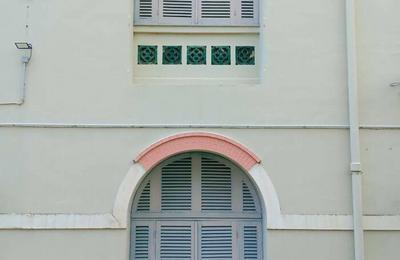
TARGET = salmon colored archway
(197,141)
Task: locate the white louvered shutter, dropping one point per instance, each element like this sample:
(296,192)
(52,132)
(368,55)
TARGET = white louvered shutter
(215,12)
(145,12)
(176,12)
(176,185)
(247,12)
(175,240)
(197,12)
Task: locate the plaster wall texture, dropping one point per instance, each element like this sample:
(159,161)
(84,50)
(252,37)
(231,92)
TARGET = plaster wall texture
(378,61)
(61,244)
(83,168)
(113,245)
(83,59)
(382,245)
(82,72)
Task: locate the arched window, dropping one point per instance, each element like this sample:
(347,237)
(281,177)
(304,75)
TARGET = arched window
(196,206)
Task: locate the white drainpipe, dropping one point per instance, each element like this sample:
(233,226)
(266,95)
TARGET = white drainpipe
(355,166)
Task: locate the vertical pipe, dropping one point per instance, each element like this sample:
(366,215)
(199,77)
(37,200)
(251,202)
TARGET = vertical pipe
(355,166)
(23,85)
(262,42)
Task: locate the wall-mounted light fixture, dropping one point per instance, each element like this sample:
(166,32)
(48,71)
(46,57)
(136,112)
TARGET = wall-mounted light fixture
(27,47)
(26,57)
(395,84)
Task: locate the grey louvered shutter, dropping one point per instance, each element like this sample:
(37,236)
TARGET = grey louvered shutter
(216,185)
(175,240)
(176,12)
(145,12)
(250,238)
(176,185)
(143,203)
(216,241)
(143,240)
(247,199)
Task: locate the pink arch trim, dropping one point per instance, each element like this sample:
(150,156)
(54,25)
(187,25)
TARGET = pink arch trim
(197,141)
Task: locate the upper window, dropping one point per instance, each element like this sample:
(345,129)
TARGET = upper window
(197,12)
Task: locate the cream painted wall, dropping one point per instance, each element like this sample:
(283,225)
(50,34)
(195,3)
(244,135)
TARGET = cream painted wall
(83,168)
(82,72)
(83,53)
(379,61)
(10,62)
(310,245)
(382,245)
(380,154)
(64,245)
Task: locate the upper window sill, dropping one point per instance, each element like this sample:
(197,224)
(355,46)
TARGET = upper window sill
(196,29)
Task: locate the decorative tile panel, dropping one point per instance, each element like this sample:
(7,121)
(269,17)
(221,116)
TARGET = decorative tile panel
(220,55)
(147,54)
(196,55)
(245,55)
(172,55)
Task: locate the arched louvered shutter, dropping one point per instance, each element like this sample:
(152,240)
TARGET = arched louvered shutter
(196,206)
(216,185)
(144,198)
(176,185)
(197,12)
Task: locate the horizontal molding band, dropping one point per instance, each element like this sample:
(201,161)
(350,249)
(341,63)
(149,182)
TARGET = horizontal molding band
(196,126)
(58,221)
(108,221)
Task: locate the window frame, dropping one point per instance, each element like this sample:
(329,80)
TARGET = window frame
(196,20)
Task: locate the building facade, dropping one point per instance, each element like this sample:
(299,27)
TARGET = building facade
(200,129)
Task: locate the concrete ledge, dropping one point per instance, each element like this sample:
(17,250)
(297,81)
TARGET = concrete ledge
(108,221)
(58,221)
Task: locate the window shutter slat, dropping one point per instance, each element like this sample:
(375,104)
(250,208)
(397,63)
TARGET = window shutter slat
(247,9)
(216,242)
(215,9)
(145,8)
(145,12)
(247,12)
(142,237)
(201,12)
(176,185)
(142,247)
(216,185)
(248,200)
(176,12)
(144,199)
(250,242)
(176,241)
(215,12)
